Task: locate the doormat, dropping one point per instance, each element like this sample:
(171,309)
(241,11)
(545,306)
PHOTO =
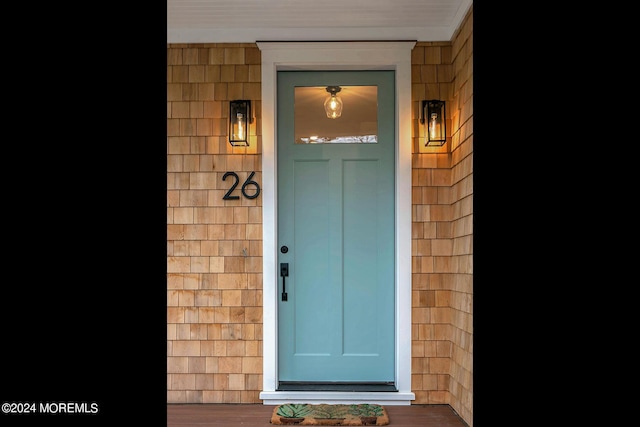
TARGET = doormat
(324,414)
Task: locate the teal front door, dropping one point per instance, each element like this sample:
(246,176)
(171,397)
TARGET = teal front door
(336,233)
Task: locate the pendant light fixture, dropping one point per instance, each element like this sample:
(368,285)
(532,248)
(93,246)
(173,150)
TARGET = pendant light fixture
(333,104)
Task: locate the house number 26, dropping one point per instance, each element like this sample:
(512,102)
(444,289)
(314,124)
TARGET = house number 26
(243,189)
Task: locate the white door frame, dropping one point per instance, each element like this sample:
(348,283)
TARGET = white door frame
(392,55)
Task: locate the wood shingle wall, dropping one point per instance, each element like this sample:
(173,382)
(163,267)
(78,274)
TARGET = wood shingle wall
(214,246)
(442,215)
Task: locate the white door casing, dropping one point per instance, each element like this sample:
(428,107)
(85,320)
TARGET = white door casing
(392,55)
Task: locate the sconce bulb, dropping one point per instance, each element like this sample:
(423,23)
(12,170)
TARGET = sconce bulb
(240,135)
(434,119)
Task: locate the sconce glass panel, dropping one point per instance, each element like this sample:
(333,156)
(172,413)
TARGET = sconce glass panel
(435,122)
(239,121)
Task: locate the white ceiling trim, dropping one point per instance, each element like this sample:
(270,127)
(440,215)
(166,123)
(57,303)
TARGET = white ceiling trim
(246,28)
(251,35)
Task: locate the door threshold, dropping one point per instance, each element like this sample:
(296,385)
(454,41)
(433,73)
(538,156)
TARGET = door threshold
(336,386)
(337,397)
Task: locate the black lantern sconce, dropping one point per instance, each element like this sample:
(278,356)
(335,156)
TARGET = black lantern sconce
(239,120)
(434,119)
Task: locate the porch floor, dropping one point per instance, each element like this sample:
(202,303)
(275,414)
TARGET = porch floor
(258,415)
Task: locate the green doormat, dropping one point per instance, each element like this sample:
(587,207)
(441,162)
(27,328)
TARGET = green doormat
(305,414)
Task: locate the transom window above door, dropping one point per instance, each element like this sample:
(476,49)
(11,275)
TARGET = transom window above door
(355,120)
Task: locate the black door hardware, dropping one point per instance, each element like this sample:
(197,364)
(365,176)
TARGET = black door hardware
(284,272)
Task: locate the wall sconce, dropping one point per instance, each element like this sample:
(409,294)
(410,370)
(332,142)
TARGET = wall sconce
(434,119)
(239,120)
(333,104)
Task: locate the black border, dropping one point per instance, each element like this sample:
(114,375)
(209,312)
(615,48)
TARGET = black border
(84,300)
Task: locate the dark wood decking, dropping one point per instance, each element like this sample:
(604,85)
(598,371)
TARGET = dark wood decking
(257,415)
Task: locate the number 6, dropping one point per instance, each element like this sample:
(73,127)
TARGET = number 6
(249,181)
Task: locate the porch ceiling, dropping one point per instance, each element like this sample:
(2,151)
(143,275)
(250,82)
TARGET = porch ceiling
(248,21)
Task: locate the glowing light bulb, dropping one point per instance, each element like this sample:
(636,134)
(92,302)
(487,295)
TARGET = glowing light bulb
(240,134)
(333,104)
(432,127)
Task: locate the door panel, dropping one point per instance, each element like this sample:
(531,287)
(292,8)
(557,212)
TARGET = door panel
(336,216)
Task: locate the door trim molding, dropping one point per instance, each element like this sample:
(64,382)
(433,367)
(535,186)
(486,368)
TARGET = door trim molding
(393,55)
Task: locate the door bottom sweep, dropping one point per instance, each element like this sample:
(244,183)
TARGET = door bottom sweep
(336,386)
